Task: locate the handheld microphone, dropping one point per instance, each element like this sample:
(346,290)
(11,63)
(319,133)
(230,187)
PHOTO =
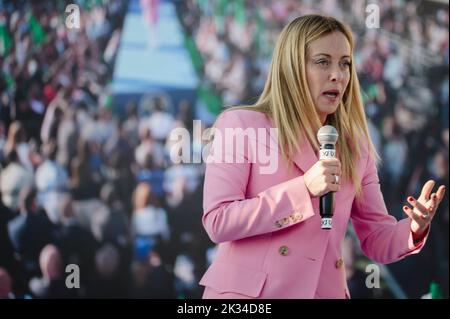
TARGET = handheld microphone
(327,137)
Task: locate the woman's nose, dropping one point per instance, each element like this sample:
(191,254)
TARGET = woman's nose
(336,75)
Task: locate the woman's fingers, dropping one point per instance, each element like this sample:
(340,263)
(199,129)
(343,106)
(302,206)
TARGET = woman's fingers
(409,211)
(433,202)
(426,190)
(425,206)
(331,162)
(436,198)
(334,187)
(333,170)
(418,206)
(440,193)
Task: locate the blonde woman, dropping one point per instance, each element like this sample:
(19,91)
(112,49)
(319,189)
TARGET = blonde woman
(267,226)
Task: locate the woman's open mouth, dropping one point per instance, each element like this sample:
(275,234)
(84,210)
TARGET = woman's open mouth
(331,95)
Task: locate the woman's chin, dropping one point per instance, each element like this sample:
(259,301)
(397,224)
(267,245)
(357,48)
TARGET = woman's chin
(325,111)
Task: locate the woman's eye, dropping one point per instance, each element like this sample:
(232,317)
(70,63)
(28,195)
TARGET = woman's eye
(322,62)
(346,64)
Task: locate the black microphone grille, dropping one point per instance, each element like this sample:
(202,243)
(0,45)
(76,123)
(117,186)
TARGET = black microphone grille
(327,135)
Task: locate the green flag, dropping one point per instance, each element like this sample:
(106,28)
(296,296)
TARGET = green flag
(435,290)
(5,39)
(239,13)
(37,32)
(212,101)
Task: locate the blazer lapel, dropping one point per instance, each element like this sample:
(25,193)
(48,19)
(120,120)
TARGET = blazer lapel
(303,158)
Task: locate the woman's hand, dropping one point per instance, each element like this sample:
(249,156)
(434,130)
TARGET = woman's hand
(423,208)
(320,178)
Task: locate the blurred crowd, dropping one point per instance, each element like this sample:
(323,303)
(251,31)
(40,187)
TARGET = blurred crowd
(81,185)
(403,70)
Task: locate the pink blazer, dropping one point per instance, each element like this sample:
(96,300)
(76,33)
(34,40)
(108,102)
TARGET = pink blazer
(267,227)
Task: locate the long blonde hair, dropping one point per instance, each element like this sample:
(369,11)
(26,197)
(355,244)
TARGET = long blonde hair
(286,89)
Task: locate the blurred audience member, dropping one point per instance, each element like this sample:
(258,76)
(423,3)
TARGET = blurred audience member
(29,232)
(5,285)
(52,283)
